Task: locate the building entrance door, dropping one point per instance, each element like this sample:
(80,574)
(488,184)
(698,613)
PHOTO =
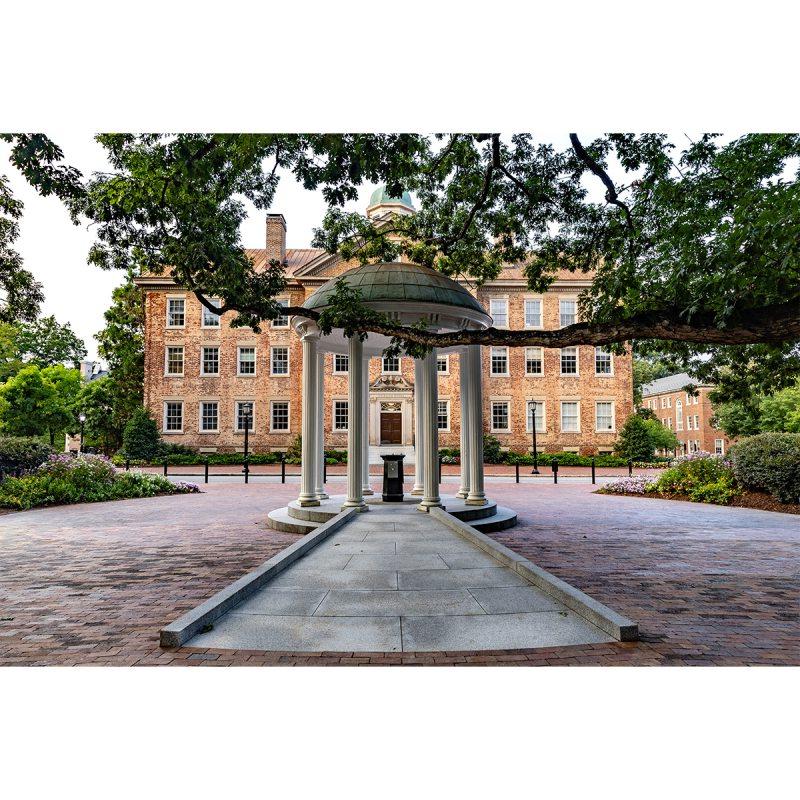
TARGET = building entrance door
(391,424)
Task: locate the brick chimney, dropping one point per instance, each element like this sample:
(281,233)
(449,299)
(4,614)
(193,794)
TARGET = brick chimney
(276,237)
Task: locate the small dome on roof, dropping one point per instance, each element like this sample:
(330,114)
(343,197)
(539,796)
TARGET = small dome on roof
(398,283)
(381,197)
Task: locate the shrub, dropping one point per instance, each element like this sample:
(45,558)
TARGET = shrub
(21,453)
(85,479)
(141,439)
(692,472)
(638,484)
(635,441)
(769,462)
(721,491)
(294,454)
(492,454)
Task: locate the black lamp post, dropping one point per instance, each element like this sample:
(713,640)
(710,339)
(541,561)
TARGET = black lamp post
(248,417)
(535,470)
(82,420)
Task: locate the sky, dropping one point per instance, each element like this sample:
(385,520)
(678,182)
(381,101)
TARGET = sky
(55,250)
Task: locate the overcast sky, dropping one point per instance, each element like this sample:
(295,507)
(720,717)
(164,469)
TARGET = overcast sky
(55,250)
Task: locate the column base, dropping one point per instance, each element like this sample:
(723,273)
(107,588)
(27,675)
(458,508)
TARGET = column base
(308,501)
(322,496)
(358,505)
(367,490)
(462,493)
(476,501)
(427,505)
(417,491)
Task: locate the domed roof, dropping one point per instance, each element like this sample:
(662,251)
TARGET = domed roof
(398,282)
(380,196)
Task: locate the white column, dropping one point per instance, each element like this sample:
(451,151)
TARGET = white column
(366,488)
(319,489)
(419,439)
(430,394)
(466,413)
(476,496)
(308,468)
(355,428)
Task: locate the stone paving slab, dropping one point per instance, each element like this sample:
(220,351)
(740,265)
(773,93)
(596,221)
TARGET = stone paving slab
(514,600)
(459,578)
(285,602)
(335,579)
(397,604)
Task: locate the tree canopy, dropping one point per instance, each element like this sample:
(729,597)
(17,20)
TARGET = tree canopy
(693,248)
(44,343)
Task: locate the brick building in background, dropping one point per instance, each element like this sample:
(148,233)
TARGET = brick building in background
(685,408)
(201,374)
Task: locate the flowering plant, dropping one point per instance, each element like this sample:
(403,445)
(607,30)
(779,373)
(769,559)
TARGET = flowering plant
(638,484)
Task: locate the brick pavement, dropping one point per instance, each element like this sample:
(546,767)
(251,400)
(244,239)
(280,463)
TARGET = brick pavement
(93,584)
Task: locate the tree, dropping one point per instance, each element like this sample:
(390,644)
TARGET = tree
(96,400)
(39,401)
(779,413)
(646,370)
(635,440)
(43,343)
(661,438)
(141,439)
(121,344)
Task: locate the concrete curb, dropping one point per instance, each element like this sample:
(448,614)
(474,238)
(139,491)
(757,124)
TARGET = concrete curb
(182,629)
(602,616)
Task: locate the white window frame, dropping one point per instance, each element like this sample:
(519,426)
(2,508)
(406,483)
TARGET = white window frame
(503,313)
(170,299)
(239,373)
(447,414)
(397,371)
(577,362)
(574,315)
(678,415)
(336,357)
(697,422)
(540,404)
(200,406)
(613,427)
(507,404)
(719,447)
(525,302)
(237,408)
(272,361)
(284,301)
(272,404)
(689,426)
(446,359)
(203,348)
(539,374)
(167,348)
(577,404)
(492,373)
(334,405)
(164,417)
(604,351)
(204,311)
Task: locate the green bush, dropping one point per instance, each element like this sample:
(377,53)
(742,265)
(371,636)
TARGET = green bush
(21,453)
(140,439)
(85,479)
(769,462)
(635,441)
(492,454)
(720,492)
(700,477)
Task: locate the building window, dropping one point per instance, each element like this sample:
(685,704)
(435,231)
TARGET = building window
(669,422)
(210,319)
(340,415)
(719,447)
(245,415)
(279,361)
(567,310)
(175,360)
(696,422)
(499,361)
(498,310)
(679,415)
(539,408)
(604,416)
(443,364)
(246,361)
(533,313)
(281,321)
(500,416)
(173,417)
(603,364)
(391,364)
(443,415)
(569,361)
(176,312)
(341,363)
(570,417)
(533,361)
(669,402)
(663,402)
(210,361)
(209,416)
(279,416)
(688,422)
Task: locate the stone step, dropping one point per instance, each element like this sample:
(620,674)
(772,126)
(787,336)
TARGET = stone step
(503,518)
(279,520)
(458,508)
(327,509)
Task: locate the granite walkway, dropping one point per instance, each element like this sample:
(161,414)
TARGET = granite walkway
(392,580)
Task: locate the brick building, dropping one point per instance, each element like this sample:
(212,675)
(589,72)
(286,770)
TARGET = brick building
(201,374)
(684,407)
